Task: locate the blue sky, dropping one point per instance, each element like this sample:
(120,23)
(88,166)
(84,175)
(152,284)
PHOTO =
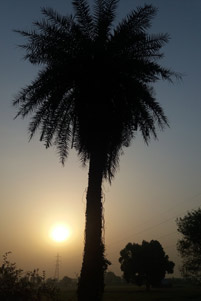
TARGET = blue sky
(154,184)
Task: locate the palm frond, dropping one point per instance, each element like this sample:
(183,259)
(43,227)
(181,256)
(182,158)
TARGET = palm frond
(138,20)
(37,92)
(104,14)
(63,139)
(83,16)
(133,28)
(48,101)
(57,115)
(48,41)
(94,91)
(54,18)
(143,46)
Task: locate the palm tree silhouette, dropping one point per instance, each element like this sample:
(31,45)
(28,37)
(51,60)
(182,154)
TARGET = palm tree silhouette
(93,94)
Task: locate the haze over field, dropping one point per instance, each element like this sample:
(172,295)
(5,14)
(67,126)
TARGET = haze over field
(154,185)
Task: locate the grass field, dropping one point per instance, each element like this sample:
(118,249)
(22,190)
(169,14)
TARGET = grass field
(130,293)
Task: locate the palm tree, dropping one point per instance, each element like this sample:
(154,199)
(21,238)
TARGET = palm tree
(93,94)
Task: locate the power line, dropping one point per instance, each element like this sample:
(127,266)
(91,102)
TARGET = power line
(163,222)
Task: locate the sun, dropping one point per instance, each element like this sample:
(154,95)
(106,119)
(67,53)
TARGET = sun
(60,233)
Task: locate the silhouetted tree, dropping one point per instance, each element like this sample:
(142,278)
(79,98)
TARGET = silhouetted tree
(189,246)
(112,279)
(145,264)
(65,282)
(93,94)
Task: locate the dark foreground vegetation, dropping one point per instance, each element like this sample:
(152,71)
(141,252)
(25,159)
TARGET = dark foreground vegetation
(189,245)
(16,285)
(126,292)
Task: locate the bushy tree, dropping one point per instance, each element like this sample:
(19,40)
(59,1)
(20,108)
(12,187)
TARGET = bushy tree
(145,264)
(189,246)
(18,286)
(93,93)
(112,279)
(65,282)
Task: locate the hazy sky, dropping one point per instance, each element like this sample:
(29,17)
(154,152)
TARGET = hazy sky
(154,185)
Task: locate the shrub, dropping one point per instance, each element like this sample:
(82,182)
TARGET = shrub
(15,285)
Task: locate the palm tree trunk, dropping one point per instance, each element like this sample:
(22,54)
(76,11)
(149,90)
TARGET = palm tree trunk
(91,281)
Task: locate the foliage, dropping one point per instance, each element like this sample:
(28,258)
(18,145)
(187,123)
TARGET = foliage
(145,264)
(65,282)
(94,90)
(112,279)
(16,285)
(189,246)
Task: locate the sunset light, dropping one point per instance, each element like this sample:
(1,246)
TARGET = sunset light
(60,233)
(100,157)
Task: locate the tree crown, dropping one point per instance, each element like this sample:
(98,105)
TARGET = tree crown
(94,90)
(145,263)
(189,246)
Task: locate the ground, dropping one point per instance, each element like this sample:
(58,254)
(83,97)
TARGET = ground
(128,293)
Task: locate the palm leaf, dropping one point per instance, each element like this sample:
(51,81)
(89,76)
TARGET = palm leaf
(104,14)
(95,80)
(138,20)
(83,16)
(54,18)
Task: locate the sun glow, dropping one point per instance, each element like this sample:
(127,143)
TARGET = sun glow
(60,233)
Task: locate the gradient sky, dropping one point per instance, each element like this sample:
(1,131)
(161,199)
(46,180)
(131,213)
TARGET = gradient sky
(154,184)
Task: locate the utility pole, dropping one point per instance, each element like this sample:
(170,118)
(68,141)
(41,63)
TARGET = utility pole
(56,273)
